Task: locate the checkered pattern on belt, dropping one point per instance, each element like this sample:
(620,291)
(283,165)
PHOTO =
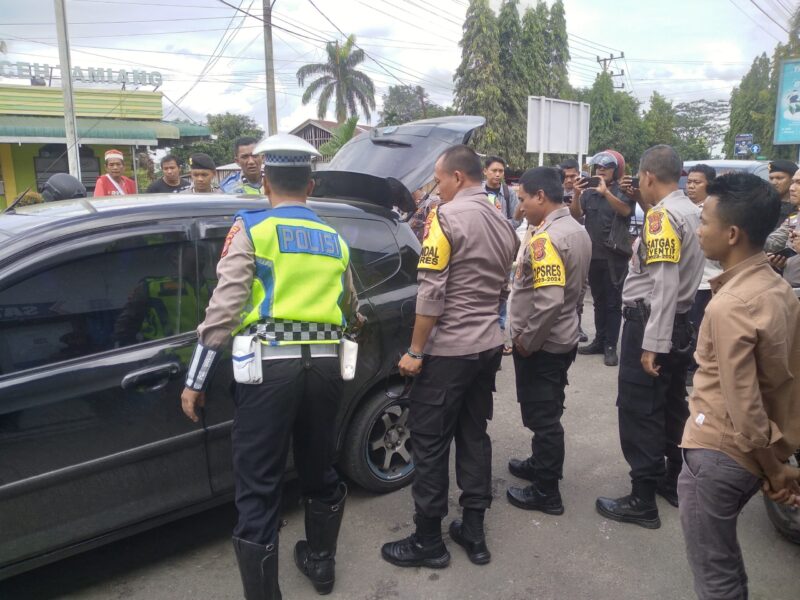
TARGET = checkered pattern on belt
(283,330)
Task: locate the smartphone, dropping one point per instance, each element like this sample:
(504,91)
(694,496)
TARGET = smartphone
(635,182)
(786,253)
(589,182)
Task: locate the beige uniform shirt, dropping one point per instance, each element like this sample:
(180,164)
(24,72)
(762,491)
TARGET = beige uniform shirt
(467,251)
(666,267)
(235,272)
(549,279)
(746,393)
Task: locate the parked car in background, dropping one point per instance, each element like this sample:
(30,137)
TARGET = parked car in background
(99,302)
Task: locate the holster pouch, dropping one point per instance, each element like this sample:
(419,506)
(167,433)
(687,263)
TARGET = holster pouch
(246,355)
(684,337)
(348,357)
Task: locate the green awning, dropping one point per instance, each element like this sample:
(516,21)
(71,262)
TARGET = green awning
(48,130)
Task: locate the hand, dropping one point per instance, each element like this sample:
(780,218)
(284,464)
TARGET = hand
(777,262)
(628,189)
(409,366)
(190,401)
(649,363)
(783,485)
(520,348)
(601,188)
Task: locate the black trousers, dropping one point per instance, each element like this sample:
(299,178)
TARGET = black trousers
(606,286)
(298,400)
(541,380)
(452,398)
(652,410)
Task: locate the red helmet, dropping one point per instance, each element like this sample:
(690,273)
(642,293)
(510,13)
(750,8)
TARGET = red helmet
(618,174)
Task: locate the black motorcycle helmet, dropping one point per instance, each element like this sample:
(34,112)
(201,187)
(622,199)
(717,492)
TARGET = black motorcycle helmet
(62,186)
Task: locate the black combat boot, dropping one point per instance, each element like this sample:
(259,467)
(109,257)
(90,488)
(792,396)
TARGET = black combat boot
(423,548)
(316,557)
(542,496)
(610,358)
(469,534)
(522,468)
(258,565)
(596,347)
(639,507)
(667,486)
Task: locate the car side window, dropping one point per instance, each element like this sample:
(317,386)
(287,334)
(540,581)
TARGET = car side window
(374,253)
(129,291)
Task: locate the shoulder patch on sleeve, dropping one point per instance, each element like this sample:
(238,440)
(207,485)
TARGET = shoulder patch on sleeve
(228,239)
(546,263)
(663,243)
(435,255)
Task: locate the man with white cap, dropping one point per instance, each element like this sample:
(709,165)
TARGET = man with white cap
(285,282)
(113,182)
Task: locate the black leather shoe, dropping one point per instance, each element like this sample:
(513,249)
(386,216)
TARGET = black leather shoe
(582,337)
(477,551)
(423,548)
(521,468)
(532,498)
(630,509)
(596,347)
(668,490)
(610,357)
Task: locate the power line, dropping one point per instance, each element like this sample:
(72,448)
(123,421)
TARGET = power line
(766,14)
(754,21)
(315,39)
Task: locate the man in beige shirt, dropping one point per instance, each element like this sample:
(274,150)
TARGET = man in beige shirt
(549,278)
(744,418)
(456,347)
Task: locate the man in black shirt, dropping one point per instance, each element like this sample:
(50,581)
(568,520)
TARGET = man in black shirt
(171,182)
(604,206)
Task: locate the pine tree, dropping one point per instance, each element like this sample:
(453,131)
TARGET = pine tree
(558,50)
(477,85)
(535,60)
(514,96)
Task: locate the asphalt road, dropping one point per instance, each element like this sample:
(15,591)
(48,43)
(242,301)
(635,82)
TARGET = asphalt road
(577,556)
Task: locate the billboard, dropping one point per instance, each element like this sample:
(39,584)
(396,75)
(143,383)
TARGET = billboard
(787,111)
(557,126)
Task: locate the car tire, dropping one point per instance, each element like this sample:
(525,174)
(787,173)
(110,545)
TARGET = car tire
(786,519)
(377,449)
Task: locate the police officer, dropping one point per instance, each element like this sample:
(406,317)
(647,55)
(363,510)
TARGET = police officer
(249,179)
(62,186)
(549,278)
(657,340)
(455,352)
(284,277)
(202,171)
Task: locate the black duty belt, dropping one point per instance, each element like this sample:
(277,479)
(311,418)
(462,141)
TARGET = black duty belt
(284,330)
(634,313)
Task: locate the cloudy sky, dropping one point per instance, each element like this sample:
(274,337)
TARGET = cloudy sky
(212,57)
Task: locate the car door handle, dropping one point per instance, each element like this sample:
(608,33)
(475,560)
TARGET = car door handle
(151,378)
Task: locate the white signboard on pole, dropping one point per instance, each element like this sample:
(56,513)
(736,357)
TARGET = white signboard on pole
(557,127)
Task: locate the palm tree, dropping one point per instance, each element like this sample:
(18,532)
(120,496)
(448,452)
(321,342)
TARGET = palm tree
(341,135)
(340,79)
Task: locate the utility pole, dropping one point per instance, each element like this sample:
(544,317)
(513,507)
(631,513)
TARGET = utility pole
(272,116)
(70,125)
(621,86)
(605,61)
(421,95)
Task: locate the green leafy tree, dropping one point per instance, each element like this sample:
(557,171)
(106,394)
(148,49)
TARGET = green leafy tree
(403,103)
(340,81)
(227,128)
(753,107)
(340,136)
(514,93)
(536,61)
(659,122)
(700,126)
(477,88)
(558,51)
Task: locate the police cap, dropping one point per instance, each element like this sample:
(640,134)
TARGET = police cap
(782,166)
(286,150)
(202,161)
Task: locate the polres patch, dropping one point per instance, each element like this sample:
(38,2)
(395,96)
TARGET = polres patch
(435,254)
(228,239)
(660,238)
(546,263)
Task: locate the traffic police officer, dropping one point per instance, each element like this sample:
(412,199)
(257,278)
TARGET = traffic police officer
(657,340)
(455,352)
(284,277)
(548,281)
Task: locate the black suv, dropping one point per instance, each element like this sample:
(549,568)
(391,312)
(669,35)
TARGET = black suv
(99,302)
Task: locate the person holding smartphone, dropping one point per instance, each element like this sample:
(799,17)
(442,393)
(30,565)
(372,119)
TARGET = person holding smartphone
(601,203)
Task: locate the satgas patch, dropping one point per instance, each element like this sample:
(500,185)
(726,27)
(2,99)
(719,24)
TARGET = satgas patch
(546,263)
(228,239)
(660,238)
(435,255)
